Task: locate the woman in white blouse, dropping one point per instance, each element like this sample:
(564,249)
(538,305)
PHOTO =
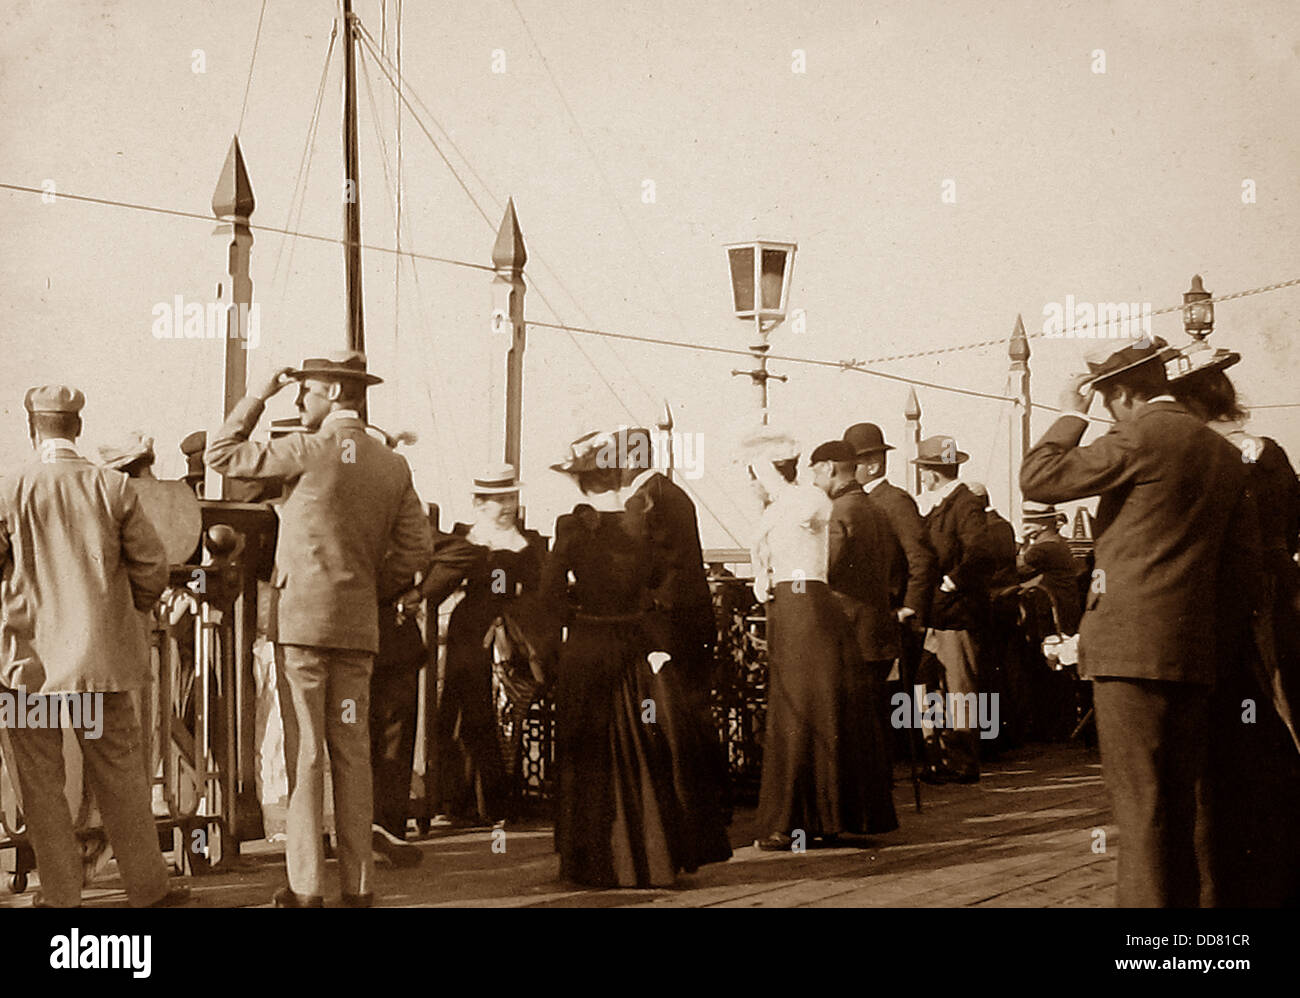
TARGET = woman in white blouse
(806,789)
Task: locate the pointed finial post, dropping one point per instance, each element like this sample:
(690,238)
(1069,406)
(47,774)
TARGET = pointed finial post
(912,441)
(508,258)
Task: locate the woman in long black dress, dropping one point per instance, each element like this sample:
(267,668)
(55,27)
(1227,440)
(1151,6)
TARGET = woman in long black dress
(619,821)
(1253,789)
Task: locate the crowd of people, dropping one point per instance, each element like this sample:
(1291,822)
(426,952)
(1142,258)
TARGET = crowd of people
(1187,626)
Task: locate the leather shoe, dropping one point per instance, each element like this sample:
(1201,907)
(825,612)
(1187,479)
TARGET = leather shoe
(399,853)
(776,842)
(285,898)
(358,900)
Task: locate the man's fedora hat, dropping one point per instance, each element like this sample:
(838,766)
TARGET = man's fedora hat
(1109,361)
(1182,363)
(866,438)
(54,398)
(335,366)
(838,451)
(497,479)
(939,452)
(1032,512)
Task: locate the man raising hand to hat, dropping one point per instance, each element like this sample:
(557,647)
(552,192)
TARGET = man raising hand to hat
(352,533)
(1173,524)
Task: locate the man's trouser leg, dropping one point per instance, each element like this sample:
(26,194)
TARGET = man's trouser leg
(114,771)
(958,738)
(394,695)
(325,700)
(1152,735)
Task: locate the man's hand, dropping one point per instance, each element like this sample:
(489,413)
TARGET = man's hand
(947,586)
(1072,401)
(408,603)
(276,382)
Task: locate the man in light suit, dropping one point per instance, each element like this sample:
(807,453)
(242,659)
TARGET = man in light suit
(82,563)
(352,533)
(1173,525)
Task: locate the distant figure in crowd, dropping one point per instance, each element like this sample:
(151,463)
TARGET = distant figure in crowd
(807,789)
(860,550)
(1254,764)
(82,565)
(957,528)
(352,531)
(1045,552)
(912,575)
(684,624)
(1001,668)
(505,565)
(1174,526)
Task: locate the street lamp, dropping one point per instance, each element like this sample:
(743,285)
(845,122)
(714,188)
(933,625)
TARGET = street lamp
(1198,310)
(760,286)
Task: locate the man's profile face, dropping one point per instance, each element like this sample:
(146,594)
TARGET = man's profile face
(314,402)
(821,473)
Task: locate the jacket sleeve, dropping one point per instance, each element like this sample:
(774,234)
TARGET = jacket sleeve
(977,552)
(922,563)
(839,530)
(232,454)
(454,560)
(410,545)
(142,552)
(1057,469)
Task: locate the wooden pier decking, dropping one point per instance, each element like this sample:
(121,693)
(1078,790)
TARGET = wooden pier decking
(1025,836)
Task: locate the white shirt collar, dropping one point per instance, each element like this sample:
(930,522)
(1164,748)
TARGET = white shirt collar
(929,500)
(635,485)
(52,444)
(1162,398)
(338,414)
(871,485)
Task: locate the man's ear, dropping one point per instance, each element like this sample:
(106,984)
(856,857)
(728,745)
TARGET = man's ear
(335,390)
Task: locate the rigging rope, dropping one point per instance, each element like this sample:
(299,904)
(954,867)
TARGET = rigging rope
(252,61)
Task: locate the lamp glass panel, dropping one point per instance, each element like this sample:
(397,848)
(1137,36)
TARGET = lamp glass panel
(773,277)
(742,277)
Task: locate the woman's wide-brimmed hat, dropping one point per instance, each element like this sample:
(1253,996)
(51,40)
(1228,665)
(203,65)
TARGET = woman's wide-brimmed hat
(607,449)
(497,479)
(584,452)
(768,444)
(1198,357)
(939,452)
(342,364)
(128,450)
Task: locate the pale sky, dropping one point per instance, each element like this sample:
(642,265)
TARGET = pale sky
(1113,186)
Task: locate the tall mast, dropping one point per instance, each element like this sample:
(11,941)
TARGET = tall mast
(352,186)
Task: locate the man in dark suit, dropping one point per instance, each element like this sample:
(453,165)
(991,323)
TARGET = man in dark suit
(352,532)
(957,528)
(1174,521)
(861,547)
(1001,668)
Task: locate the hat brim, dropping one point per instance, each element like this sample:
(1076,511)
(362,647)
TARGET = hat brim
(1093,381)
(868,451)
(364,377)
(498,490)
(934,462)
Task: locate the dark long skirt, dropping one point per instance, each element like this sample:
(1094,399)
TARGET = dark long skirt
(471,771)
(813,780)
(618,820)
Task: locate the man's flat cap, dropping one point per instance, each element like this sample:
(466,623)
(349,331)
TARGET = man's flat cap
(54,398)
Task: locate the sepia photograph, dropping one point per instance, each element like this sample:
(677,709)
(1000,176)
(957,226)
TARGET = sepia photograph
(569,454)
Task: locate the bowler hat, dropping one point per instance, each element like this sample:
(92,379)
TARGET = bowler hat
(833,450)
(54,398)
(939,451)
(866,438)
(1106,363)
(341,364)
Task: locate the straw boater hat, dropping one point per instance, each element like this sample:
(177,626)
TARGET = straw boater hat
(340,365)
(866,438)
(126,451)
(497,479)
(1196,358)
(939,452)
(1108,361)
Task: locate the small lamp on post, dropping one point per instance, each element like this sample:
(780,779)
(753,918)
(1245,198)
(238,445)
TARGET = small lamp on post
(1198,310)
(760,286)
